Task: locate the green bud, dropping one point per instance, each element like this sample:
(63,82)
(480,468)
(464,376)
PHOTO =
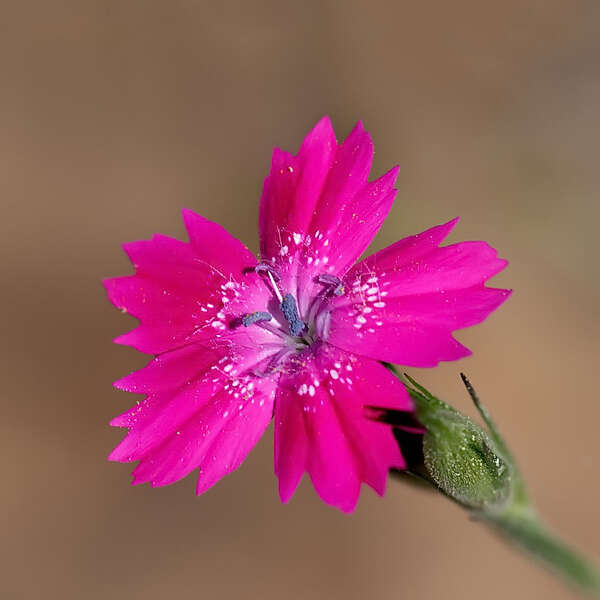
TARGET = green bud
(460,457)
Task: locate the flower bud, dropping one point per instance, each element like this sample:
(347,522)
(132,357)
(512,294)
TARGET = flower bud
(459,455)
(460,458)
(468,464)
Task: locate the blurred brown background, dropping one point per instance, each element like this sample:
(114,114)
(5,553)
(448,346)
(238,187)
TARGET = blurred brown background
(115,115)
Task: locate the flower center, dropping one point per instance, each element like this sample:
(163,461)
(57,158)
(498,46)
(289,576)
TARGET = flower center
(285,320)
(288,307)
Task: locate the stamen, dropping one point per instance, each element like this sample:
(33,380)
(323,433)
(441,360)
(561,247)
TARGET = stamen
(332,281)
(290,312)
(255,317)
(275,288)
(266,268)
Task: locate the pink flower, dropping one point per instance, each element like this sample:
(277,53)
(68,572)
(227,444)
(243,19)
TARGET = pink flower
(296,337)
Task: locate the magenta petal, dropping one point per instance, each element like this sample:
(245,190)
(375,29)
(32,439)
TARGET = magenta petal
(452,267)
(215,246)
(409,249)
(216,439)
(177,384)
(173,294)
(454,309)
(239,434)
(403,303)
(164,415)
(171,369)
(169,317)
(321,427)
(291,442)
(293,187)
(374,446)
(318,211)
(362,220)
(330,461)
(411,345)
(139,413)
(319,205)
(177,289)
(332,250)
(414,330)
(351,210)
(173,263)
(347,178)
(187,385)
(308,437)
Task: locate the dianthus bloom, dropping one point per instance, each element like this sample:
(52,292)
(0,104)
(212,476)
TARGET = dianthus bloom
(296,336)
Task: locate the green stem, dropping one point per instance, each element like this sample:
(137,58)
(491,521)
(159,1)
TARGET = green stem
(522,528)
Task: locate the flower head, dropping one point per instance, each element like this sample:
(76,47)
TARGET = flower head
(296,336)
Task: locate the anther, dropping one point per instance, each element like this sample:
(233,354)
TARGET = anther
(255,317)
(332,281)
(290,312)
